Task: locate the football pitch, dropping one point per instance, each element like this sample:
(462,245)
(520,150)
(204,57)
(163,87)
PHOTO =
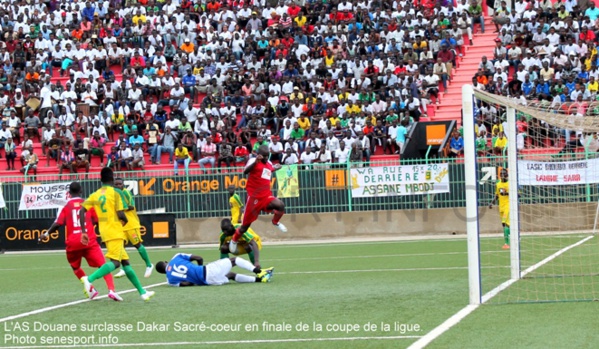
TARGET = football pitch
(323,295)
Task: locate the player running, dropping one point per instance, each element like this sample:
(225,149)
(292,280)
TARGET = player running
(132,229)
(502,193)
(260,196)
(68,216)
(110,207)
(249,242)
(181,271)
(236,205)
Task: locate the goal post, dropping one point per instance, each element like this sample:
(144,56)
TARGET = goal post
(470,171)
(553,202)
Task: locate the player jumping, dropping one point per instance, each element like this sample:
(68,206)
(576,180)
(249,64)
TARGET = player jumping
(69,217)
(260,196)
(502,193)
(181,271)
(110,207)
(132,229)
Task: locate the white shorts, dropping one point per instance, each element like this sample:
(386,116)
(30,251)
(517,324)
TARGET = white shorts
(216,272)
(400,145)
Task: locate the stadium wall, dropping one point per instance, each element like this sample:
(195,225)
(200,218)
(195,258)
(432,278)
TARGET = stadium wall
(381,224)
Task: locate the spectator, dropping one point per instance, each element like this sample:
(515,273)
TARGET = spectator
(96,145)
(308,156)
(138,157)
(481,143)
(67,160)
(168,145)
(30,161)
(341,155)
(290,157)
(207,154)
(225,154)
(456,145)
(82,156)
(241,154)
(125,156)
(402,135)
(182,158)
(276,149)
(11,153)
(53,149)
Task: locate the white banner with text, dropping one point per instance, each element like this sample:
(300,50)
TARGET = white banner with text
(558,173)
(399,180)
(43,196)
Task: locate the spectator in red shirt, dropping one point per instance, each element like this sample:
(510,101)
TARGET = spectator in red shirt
(241,154)
(293,10)
(586,34)
(213,6)
(137,60)
(287,41)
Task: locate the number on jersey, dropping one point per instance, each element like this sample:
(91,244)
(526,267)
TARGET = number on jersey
(179,271)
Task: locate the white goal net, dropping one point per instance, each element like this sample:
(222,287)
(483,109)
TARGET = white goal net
(537,242)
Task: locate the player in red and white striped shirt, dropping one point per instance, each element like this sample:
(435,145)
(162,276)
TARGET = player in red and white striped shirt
(69,217)
(260,197)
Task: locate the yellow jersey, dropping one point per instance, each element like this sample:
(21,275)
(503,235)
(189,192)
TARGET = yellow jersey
(502,190)
(500,143)
(107,201)
(236,205)
(244,240)
(132,218)
(304,123)
(184,153)
(353,109)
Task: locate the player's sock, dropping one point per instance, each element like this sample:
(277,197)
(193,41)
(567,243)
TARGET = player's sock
(251,256)
(245,278)
(109,282)
(133,278)
(242,263)
(144,255)
(79,273)
(506,234)
(105,269)
(278,216)
(236,236)
(224,255)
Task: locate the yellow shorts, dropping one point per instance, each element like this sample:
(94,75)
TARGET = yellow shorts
(133,236)
(505,216)
(235,216)
(116,250)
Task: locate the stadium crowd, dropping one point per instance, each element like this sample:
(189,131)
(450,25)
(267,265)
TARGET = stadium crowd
(209,82)
(546,55)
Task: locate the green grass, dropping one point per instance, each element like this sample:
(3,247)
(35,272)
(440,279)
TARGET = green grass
(352,284)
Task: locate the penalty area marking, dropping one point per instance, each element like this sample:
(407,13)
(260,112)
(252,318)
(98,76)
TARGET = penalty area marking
(467,310)
(248,341)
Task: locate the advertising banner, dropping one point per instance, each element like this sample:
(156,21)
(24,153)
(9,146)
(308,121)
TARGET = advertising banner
(23,234)
(287,181)
(2,202)
(558,173)
(399,180)
(40,196)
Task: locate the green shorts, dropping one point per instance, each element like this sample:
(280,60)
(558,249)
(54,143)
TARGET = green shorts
(96,151)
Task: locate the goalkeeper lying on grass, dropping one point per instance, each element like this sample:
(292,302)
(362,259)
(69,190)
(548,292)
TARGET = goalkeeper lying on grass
(181,271)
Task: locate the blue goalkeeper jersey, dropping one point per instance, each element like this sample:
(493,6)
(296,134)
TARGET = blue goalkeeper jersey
(182,269)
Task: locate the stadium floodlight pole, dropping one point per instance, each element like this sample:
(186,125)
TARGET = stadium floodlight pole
(512,153)
(474,283)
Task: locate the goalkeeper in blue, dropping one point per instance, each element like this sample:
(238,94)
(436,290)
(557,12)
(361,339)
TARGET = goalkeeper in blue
(189,270)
